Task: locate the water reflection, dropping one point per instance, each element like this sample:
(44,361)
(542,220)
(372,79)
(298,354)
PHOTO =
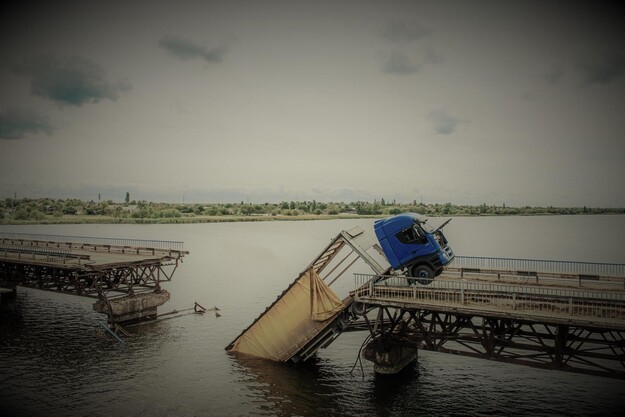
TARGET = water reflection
(284,389)
(56,359)
(393,392)
(319,387)
(11,320)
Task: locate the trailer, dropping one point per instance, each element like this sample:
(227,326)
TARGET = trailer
(308,315)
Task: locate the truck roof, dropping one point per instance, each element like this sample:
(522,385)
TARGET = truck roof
(397,223)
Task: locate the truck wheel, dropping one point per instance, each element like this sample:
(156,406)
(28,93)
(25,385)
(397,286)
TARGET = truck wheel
(423,274)
(359,309)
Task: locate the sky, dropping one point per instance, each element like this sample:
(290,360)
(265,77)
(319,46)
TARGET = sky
(469,102)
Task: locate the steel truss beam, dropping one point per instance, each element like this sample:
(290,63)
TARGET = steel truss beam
(97,283)
(580,349)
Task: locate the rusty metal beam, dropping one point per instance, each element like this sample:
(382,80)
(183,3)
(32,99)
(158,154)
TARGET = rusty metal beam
(585,350)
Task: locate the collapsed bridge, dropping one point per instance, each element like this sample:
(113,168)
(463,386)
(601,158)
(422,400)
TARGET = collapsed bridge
(560,315)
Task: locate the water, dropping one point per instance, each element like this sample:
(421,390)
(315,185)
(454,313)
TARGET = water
(55,360)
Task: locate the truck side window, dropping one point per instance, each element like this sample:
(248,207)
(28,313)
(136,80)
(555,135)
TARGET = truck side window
(411,236)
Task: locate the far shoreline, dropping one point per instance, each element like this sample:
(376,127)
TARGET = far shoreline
(96,219)
(43,211)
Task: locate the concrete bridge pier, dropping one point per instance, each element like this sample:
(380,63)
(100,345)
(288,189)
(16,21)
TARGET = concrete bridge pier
(132,308)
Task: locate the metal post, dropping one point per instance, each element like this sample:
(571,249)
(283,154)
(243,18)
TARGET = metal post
(560,344)
(462,292)
(110,331)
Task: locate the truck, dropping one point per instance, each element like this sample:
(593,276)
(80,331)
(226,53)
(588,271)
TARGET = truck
(412,247)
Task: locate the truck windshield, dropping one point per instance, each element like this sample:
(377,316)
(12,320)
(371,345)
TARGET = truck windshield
(423,226)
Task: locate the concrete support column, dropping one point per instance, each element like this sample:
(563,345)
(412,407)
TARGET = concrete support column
(132,308)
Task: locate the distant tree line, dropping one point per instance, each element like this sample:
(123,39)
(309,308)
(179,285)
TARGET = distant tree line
(49,210)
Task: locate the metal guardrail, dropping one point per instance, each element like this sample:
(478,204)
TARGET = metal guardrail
(539,265)
(157,244)
(545,301)
(385,281)
(56,255)
(34,249)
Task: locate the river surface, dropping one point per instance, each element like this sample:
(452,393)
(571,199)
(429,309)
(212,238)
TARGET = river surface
(55,360)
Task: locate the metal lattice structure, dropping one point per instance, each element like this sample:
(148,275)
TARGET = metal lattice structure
(87,281)
(88,267)
(572,329)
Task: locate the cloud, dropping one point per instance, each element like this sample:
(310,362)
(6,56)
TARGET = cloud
(601,69)
(70,80)
(554,75)
(186,49)
(407,58)
(16,123)
(401,64)
(529,96)
(404,31)
(443,122)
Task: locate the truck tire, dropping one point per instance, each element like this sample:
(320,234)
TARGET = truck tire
(359,309)
(422,274)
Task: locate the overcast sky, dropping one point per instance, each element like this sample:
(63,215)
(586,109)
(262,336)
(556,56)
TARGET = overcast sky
(469,102)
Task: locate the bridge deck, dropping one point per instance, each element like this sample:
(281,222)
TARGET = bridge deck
(594,304)
(91,267)
(82,254)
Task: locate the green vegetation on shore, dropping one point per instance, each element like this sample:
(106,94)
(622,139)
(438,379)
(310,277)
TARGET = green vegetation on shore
(57,211)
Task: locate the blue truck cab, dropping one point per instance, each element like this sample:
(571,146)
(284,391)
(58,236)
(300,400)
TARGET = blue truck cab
(412,246)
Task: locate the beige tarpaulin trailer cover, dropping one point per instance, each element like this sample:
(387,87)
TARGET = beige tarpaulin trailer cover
(305,308)
(308,315)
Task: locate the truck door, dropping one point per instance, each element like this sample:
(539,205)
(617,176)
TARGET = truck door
(413,244)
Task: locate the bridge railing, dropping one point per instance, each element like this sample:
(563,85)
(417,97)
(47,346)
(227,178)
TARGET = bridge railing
(146,243)
(539,266)
(494,297)
(55,255)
